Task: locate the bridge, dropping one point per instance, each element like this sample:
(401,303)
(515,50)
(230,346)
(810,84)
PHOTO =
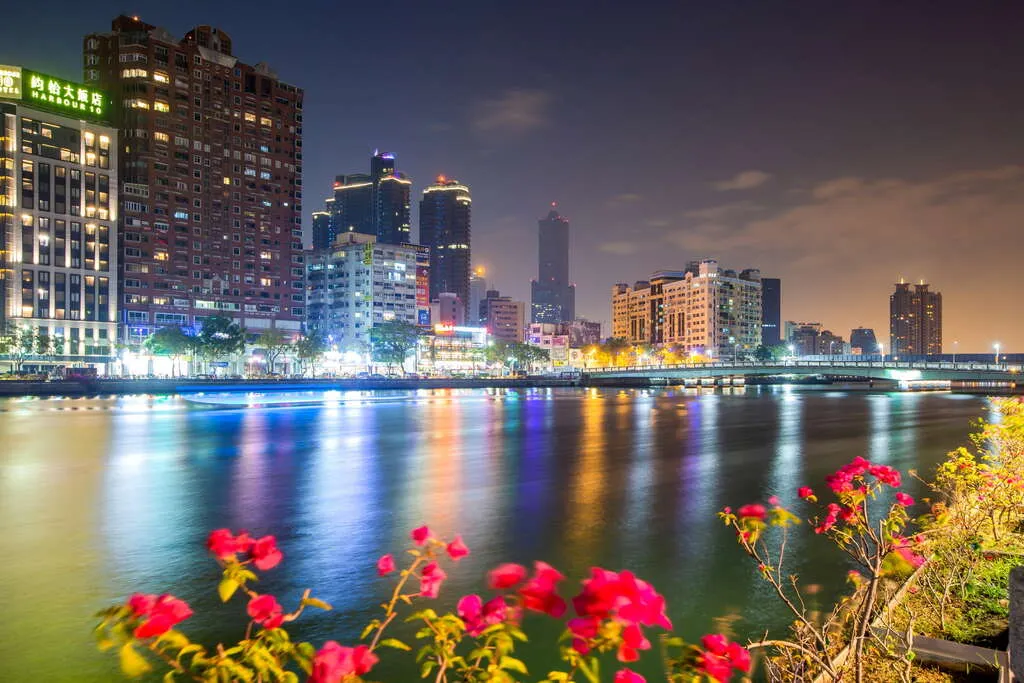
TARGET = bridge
(904,372)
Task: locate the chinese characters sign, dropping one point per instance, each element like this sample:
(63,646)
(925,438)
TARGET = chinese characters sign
(52,93)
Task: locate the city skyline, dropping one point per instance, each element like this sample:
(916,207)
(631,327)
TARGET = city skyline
(860,135)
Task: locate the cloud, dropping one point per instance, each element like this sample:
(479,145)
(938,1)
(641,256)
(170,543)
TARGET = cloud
(841,245)
(514,111)
(745,180)
(619,248)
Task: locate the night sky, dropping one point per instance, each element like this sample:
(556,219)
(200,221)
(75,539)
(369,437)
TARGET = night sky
(836,145)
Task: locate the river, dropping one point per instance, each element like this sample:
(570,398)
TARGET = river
(101,497)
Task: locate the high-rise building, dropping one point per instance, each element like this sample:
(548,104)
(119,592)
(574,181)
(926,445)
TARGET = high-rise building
(477,292)
(323,230)
(58,217)
(211,179)
(374,203)
(771,311)
(448,310)
(445,228)
(713,310)
(863,341)
(553,296)
(915,320)
(358,283)
(505,319)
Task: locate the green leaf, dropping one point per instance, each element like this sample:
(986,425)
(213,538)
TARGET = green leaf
(423,614)
(226,589)
(172,638)
(513,664)
(319,604)
(369,629)
(132,663)
(395,643)
(427,667)
(169,676)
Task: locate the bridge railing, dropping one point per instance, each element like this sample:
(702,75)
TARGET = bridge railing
(838,364)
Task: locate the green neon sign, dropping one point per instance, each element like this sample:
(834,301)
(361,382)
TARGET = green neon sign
(10,81)
(64,96)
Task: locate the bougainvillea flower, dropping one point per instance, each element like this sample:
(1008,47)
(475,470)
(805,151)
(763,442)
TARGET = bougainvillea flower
(627,676)
(385,565)
(420,535)
(164,614)
(266,611)
(457,549)
(333,662)
(265,554)
(431,578)
(506,576)
(752,510)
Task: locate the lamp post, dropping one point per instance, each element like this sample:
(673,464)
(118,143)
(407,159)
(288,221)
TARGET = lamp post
(996,347)
(792,351)
(955,343)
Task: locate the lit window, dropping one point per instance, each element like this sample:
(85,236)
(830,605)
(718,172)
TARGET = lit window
(161,106)
(161,77)
(161,137)
(250,117)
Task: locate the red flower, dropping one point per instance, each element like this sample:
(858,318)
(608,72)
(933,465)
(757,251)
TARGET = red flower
(773,500)
(505,576)
(715,643)
(830,518)
(752,510)
(420,535)
(633,640)
(265,554)
(457,549)
(334,662)
(622,596)
(164,614)
(141,604)
(627,676)
(223,544)
(739,656)
(540,592)
(715,667)
(385,565)
(885,474)
(431,578)
(266,611)
(903,499)
(805,492)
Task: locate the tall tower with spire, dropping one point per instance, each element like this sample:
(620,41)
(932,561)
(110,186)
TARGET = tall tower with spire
(553,296)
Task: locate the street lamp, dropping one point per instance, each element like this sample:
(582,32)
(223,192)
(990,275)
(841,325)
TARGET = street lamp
(792,351)
(955,343)
(996,347)
(881,352)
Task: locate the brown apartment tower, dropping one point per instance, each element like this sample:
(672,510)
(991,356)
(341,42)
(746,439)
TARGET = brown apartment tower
(915,320)
(211,180)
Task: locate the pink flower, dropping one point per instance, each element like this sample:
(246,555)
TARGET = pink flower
(334,662)
(623,596)
(727,510)
(886,475)
(420,535)
(540,592)
(903,499)
(385,565)
(223,544)
(805,492)
(166,612)
(266,611)
(752,510)
(265,554)
(479,616)
(431,578)
(715,643)
(627,676)
(739,657)
(715,667)
(773,500)
(505,576)
(457,549)
(830,518)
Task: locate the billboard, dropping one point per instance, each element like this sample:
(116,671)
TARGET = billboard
(52,93)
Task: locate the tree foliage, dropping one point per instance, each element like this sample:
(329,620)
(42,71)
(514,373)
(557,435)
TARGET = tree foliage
(392,342)
(172,342)
(309,348)
(220,337)
(274,343)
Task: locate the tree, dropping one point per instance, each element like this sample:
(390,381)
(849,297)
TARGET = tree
(17,343)
(220,337)
(309,348)
(615,347)
(274,342)
(170,341)
(392,341)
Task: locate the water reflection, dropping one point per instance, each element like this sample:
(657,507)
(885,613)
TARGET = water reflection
(118,495)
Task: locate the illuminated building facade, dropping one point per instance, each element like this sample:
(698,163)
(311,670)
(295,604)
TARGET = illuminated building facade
(704,309)
(915,320)
(374,203)
(553,297)
(863,341)
(358,283)
(58,218)
(445,228)
(211,172)
(475,313)
(453,348)
(505,319)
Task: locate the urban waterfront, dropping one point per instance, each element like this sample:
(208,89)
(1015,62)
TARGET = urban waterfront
(102,497)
